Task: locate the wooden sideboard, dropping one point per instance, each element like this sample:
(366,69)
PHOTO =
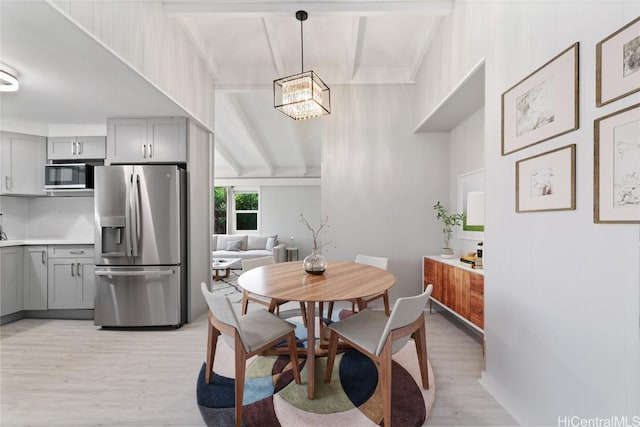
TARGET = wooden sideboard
(457,288)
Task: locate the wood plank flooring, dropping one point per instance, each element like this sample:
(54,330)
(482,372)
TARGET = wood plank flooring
(68,372)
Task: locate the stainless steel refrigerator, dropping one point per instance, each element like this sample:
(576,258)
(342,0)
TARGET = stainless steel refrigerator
(140,246)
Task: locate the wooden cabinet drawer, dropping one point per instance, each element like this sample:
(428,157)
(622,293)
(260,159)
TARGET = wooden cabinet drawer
(66,251)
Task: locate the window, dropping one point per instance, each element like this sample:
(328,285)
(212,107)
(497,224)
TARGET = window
(235,210)
(220,210)
(246,208)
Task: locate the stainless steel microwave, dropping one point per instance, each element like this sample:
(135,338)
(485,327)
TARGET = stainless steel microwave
(68,176)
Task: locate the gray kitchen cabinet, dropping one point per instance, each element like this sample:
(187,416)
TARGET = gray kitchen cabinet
(11,298)
(159,140)
(35,278)
(22,159)
(76,147)
(70,278)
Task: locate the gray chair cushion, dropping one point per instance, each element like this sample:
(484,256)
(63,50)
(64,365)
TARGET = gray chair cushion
(370,329)
(363,328)
(260,327)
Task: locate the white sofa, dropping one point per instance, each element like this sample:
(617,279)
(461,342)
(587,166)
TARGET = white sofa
(246,246)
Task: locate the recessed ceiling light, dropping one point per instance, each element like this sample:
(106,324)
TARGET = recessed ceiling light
(8,83)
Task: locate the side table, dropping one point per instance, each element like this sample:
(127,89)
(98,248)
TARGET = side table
(291,253)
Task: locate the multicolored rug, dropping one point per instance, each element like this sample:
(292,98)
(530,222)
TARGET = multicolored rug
(352,398)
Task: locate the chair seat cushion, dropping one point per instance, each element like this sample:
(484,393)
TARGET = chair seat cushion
(261,327)
(364,328)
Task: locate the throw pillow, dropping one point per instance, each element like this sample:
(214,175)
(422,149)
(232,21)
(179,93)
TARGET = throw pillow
(256,242)
(234,245)
(272,241)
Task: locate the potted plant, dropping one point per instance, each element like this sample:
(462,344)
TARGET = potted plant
(449,221)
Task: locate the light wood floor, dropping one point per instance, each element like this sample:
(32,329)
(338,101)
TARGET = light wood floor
(67,372)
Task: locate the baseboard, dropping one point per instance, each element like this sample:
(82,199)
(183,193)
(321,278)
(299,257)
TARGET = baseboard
(67,314)
(8,318)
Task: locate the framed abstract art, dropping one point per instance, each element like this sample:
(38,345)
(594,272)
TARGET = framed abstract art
(547,181)
(543,105)
(618,64)
(616,177)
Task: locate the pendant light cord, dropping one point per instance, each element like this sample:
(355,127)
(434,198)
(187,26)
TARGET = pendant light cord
(301,48)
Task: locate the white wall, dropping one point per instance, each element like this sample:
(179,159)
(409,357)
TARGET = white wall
(280,213)
(380,180)
(561,293)
(155,45)
(47,217)
(466,154)
(14,216)
(60,218)
(200,193)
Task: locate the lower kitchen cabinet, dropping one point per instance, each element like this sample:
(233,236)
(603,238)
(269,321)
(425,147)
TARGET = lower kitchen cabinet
(11,298)
(35,278)
(71,279)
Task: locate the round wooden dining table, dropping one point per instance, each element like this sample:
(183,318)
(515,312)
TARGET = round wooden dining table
(341,281)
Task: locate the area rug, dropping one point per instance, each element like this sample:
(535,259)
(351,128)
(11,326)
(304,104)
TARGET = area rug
(229,287)
(352,398)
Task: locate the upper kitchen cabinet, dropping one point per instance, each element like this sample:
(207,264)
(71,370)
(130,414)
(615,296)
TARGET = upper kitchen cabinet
(22,159)
(76,147)
(161,140)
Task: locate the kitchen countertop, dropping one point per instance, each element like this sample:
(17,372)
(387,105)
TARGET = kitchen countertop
(32,242)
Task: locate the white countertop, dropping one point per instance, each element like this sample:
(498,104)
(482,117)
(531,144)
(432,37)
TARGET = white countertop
(33,242)
(455,262)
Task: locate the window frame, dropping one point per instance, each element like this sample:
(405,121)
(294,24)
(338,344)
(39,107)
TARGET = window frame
(245,190)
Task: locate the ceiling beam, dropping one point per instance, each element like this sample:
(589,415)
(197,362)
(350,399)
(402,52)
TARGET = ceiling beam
(364,7)
(355,45)
(424,47)
(276,54)
(221,148)
(235,109)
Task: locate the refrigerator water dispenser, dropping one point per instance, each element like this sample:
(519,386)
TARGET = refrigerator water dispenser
(112,228)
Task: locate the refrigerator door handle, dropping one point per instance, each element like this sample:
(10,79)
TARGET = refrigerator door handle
(129,219)
(135,220)
(135,273)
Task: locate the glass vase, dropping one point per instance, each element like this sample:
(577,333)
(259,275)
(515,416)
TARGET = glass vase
(315,263)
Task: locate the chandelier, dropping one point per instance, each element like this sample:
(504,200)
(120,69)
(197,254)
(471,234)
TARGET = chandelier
(304,95)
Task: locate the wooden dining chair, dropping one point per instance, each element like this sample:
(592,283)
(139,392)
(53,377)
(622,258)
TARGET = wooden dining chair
(363,303)
(272,304)
(251,334)
(377,336)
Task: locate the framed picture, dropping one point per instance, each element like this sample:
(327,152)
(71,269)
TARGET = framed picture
(616,177)
(618,64)
(547,181)
(542,105)
(468,182)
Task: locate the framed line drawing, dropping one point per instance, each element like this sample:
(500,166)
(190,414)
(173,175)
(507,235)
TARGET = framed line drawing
(467,182)
(543,105)
(618,64)
(616,169)
(547,181)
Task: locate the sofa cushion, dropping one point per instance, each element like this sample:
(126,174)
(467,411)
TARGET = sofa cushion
(222,239)
(234,245)
(257,242)
(272,241)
